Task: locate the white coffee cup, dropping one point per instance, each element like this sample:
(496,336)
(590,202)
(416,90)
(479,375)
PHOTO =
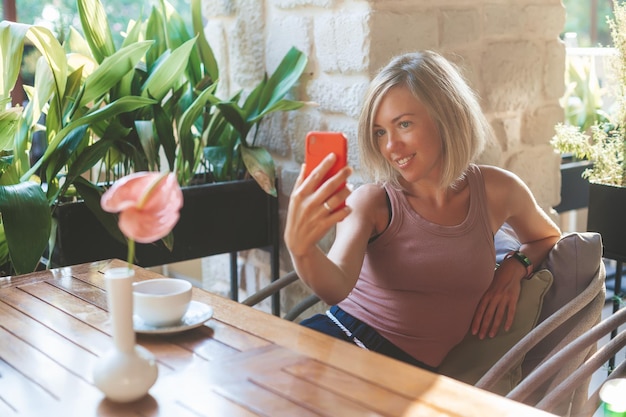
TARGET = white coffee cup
(161,302)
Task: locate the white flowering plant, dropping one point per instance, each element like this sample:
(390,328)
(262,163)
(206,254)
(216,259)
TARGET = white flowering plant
(605,145)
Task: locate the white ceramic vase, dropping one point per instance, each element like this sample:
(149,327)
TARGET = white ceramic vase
(127,371)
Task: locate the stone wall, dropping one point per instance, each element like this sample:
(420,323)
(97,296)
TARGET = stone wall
(509,51)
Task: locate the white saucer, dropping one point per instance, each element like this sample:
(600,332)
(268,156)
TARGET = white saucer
(197,314)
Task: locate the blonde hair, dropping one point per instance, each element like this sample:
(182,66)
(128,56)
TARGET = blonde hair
(451,103)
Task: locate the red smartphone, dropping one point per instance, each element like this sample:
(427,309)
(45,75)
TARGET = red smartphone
(320,144)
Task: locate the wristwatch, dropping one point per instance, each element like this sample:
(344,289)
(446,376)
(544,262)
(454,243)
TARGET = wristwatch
(523,259)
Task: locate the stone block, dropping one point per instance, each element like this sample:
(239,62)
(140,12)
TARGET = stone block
(338,95)
(247,45)
(218,8)
(284,32)
(293,4)
(393,33)
(507,129)
(554,85)
(459,26)
(538,125)
(545,20)
(289,175)
(511,75)
(341,42)
(502,19)
(536,166)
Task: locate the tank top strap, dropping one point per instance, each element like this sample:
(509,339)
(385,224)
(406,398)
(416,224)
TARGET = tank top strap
(478,198)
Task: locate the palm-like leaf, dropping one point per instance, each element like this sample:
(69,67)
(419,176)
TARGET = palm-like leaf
(11,44)
(95,24)
(122,105)
(26,218)
(112,70)
(167,71)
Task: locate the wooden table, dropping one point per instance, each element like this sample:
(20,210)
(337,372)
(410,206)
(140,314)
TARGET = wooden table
(243,362)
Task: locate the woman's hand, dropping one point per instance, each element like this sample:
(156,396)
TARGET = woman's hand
(499,302)
(313,206)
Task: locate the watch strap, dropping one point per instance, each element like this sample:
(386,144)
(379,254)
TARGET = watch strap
(523,259)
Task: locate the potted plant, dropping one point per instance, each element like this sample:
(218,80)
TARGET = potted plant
(110,111)
(605,148)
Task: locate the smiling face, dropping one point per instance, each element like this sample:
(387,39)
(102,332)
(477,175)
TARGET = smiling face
(407,136)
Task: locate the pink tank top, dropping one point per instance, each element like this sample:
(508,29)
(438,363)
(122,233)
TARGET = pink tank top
(421,282)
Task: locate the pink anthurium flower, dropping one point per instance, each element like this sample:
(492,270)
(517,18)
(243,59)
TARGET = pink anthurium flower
(148,203)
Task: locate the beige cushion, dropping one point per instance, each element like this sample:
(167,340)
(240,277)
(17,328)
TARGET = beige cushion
(472,358)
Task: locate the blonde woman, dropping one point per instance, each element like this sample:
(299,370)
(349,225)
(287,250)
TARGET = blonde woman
(412,267)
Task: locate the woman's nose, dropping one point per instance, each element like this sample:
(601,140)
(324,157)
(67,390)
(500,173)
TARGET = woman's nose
(392,141)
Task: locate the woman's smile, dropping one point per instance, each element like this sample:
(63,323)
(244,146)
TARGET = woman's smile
(402,162)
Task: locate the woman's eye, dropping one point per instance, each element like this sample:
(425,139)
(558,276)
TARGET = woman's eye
(405,124)
(379,133)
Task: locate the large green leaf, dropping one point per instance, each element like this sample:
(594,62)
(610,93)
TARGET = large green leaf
(26,218)
(43,91)
(8,125)
(64,151)
(282,105)
(54,55)
(125,87)
(235,116)
(112,70)
(11,47)
(88,158)
(148,141)
(177,35)
(4,247)
(260,165)
(93,19)
(220,158)
(154,30)
(166,136)
(206,53)
(187,139)
(77,44)
(251,105)
(73,93)
(8,171)
(167,72)
(284,77)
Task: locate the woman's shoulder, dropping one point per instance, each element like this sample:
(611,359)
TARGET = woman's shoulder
(369,202)
(369,194)
(494,175)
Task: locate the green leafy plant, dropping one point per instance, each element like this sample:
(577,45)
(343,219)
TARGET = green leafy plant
(111,111)
(582,100)
(605,146)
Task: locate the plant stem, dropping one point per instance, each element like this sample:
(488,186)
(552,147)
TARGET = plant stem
(131,252)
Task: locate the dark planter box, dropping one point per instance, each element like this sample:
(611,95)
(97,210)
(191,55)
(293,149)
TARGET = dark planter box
(574,188)
(215,218)
(607,216)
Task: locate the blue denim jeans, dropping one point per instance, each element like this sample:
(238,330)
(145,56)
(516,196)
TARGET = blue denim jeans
(361,331)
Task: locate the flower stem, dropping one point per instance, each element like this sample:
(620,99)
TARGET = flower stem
(131,252)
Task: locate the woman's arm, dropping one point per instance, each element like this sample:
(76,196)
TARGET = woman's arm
(331,276)
(510,200)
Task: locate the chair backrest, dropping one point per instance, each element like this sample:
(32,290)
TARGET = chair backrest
(276,286)
(574,383)
(577,316)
